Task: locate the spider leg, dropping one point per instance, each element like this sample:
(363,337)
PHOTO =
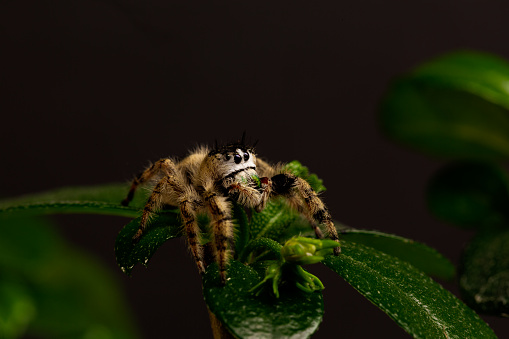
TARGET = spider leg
(157,167)
(155,199)
(189,202)
(222,228)
(188,212)
(293,188)
(297,203)
(265,195)
(266,171)
(244,194)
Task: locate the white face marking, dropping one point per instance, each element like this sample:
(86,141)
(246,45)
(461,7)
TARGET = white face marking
(227,167)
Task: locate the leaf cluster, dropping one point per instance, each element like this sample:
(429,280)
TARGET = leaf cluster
(388,270)
(378,265)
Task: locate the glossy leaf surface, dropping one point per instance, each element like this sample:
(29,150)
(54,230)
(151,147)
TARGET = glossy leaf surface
(418,304)
(295,314)
(104,199)
(422,257)
(272,221)
(470,195)
(484,275)
(162,227)
(455,106)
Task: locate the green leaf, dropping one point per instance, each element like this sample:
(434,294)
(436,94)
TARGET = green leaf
(242,232)
(455,106)
(102,199)
(162,227)
(61,291)
(484,273)
(272,221)
(422,257)
(418,304)
(470,195)
(265,248)
(294,314)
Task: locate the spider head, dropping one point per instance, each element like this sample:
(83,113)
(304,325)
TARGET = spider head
(233,159)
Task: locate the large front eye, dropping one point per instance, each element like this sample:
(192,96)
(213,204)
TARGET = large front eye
(237,158)
(246,156)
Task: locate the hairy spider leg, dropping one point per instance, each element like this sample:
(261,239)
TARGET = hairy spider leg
(298,204)
(266,185)
(188,202)
(222,228)
(317,209)
(188,212)
(295,201)
(144,176)
(290,185)
(154,201)
(245,195)
(264,169)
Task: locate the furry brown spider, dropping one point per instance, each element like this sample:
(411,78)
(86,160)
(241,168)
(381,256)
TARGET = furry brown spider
(209,180)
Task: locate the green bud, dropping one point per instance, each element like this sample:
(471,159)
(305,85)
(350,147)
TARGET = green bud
(302,251)
(278,271)
(274,273)
(306,281)
(296,251)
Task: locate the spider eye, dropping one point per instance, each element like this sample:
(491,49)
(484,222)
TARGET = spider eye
(246,156)
(227,157)
(237,158)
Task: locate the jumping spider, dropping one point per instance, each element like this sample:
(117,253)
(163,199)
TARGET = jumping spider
(209,180)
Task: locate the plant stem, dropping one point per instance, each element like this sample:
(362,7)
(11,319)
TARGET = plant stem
(219,331)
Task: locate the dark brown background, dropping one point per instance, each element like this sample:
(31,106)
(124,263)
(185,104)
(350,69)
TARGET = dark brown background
(93,90)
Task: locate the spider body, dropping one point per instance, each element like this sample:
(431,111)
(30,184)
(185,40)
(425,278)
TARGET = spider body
(209,180)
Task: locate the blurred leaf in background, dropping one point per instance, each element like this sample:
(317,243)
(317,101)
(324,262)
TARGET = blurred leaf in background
(457,107)
(50,290)
(470,194)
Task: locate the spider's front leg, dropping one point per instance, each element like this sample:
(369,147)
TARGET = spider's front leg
(305,200)
(222,228)
(245,195)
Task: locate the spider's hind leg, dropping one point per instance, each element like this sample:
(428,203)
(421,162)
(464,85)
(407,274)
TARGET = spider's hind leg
(172,186)
(157,167)
(306,201)
(155,200)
